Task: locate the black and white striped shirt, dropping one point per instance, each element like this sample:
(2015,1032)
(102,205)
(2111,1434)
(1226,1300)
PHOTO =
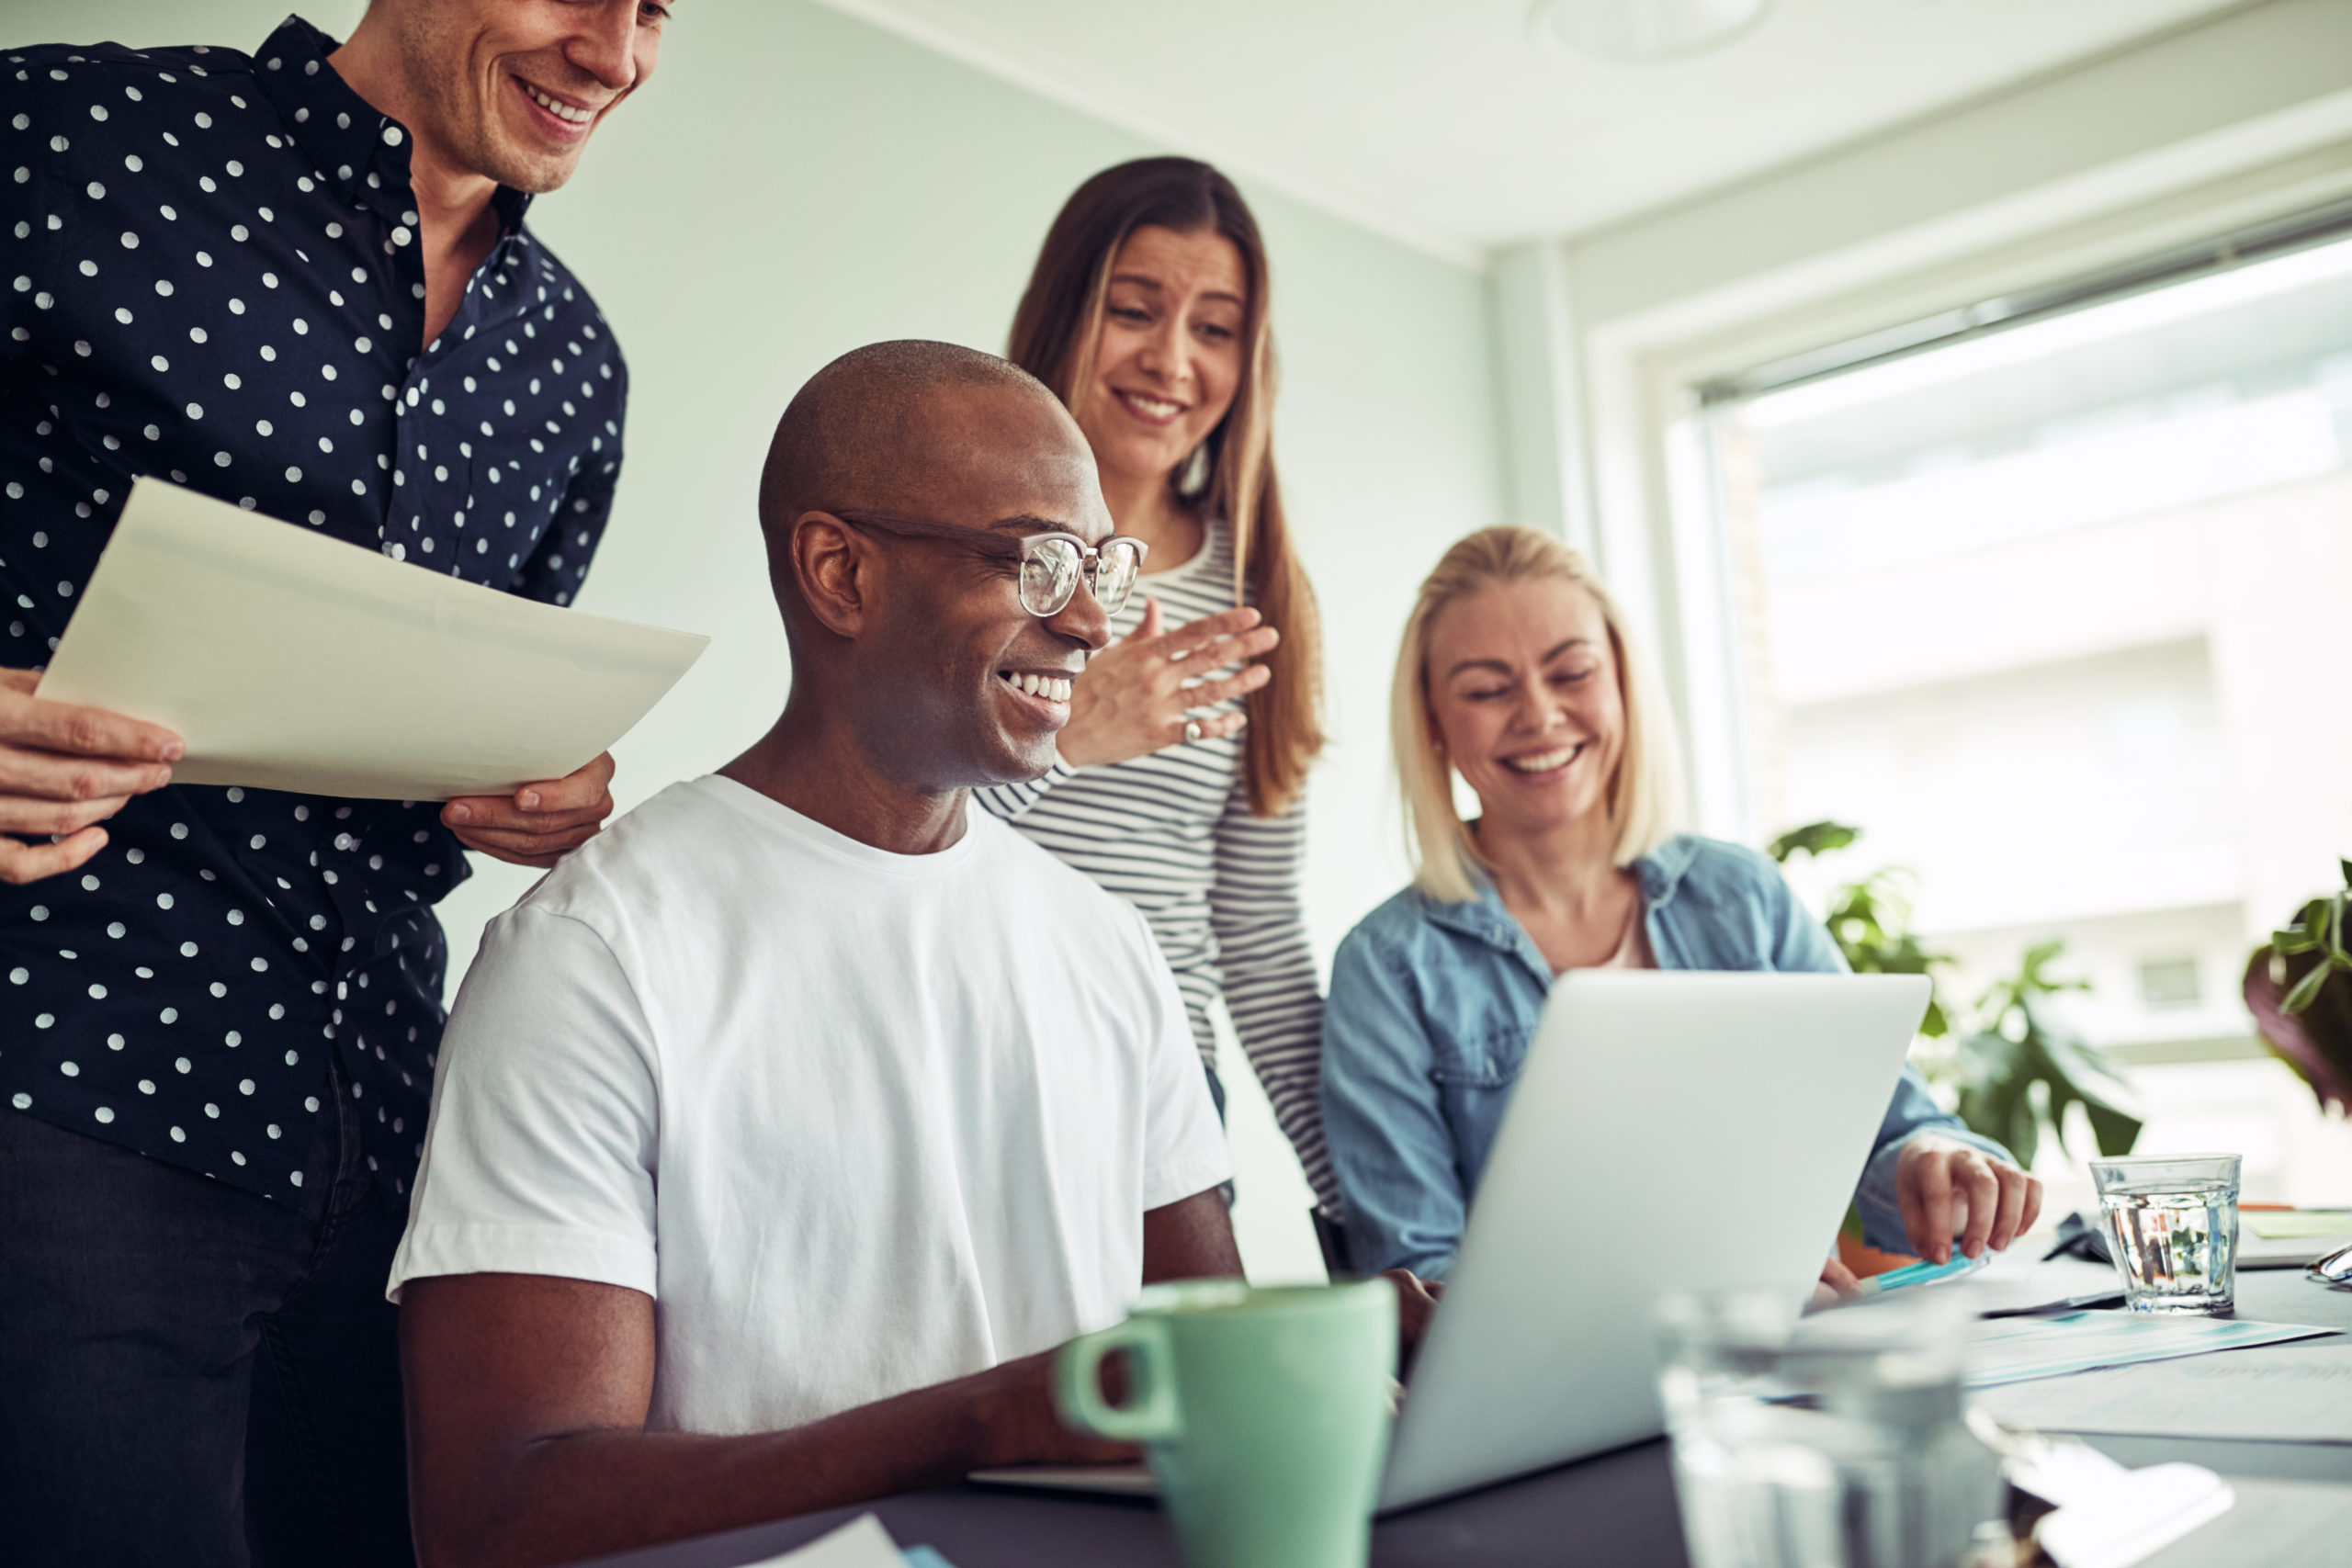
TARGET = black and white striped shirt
(1172,833)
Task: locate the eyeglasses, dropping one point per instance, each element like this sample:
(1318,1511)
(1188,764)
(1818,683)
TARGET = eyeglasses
(1050,565)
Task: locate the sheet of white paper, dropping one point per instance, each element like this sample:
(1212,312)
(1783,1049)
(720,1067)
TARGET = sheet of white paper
(861,1544)
(2022,1277)
(2297,1392)
(2013,1350)
(2142,1511)
(2276,1523)
(290,660)
(2288,1251)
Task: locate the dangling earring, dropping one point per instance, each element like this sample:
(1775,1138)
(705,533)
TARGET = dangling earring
(1192,475)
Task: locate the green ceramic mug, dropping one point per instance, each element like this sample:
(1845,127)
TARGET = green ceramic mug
(1265,1412)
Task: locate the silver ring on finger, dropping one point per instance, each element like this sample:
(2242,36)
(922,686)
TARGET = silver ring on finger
(1192,730)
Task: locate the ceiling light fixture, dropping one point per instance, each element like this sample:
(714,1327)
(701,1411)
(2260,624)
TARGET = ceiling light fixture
(1640,31)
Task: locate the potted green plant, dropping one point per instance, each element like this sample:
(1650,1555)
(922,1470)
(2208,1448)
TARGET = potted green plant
(2299,987)
(2019,1071)
(2016,1069)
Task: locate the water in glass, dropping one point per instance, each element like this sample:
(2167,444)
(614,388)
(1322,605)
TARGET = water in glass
(2177,1244)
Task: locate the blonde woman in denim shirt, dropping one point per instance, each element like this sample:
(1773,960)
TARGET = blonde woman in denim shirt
(1516,673)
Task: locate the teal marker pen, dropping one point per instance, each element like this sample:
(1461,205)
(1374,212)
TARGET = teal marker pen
(1925,1273)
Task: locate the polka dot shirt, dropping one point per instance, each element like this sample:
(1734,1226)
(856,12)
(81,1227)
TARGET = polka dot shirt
(212,274)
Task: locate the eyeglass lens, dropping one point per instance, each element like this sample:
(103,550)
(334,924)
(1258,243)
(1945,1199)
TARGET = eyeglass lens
(1049,575)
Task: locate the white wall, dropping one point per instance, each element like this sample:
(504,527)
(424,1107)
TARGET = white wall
(794,183)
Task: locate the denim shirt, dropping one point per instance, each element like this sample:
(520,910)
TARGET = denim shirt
(1432,1009)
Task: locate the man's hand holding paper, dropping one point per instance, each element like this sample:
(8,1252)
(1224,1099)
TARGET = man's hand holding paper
(292,661)
(64,770)
(539,823)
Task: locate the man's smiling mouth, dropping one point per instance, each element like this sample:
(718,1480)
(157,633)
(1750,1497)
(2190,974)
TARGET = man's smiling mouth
(562,110)
(1045,688)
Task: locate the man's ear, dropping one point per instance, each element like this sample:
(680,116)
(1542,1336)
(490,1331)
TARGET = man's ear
(834,572)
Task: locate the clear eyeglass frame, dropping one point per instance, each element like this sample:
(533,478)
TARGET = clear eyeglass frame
(1048,566)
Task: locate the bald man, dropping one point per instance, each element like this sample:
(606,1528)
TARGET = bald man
(879,1101)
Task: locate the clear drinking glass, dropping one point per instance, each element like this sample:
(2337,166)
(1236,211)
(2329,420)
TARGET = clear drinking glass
(1829,1441)
(2172,1224)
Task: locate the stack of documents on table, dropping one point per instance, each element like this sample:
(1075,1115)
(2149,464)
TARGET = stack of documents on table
(2284,1393)
(2018,1350)
(287,659)
(2020,1277)
(2290,1238)
(861,1544)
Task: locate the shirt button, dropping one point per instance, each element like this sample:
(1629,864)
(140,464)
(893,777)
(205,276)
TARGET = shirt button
(391,136)
(401,234)
(345,841)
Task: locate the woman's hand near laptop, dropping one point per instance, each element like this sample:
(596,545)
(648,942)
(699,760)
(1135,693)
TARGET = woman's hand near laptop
(64,770)
(1131,700)
(1837,1281)
(1415,1303)
(1948,1188)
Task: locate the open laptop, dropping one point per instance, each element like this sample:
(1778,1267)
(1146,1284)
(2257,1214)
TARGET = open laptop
(1671,1131)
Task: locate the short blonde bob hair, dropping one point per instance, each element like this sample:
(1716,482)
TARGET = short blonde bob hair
(1641,798)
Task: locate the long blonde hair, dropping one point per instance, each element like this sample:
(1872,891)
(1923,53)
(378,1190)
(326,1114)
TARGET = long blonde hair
(1648,782)
(1054,335)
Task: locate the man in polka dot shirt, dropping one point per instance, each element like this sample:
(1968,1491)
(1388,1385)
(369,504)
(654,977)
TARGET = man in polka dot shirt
(300,281)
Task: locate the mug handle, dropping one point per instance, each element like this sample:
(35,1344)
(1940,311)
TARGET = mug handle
(1150,1414)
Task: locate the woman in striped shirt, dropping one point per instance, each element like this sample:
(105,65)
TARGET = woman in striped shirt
(1146,313)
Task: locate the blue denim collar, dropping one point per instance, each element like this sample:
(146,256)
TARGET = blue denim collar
(1660,874)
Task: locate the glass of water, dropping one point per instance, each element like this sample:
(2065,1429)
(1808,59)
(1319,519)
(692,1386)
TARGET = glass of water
(1830,1441)
(2172,1224)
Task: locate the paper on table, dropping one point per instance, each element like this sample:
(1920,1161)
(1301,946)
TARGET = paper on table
(861,1544)
(2012,1349)
(2279,1523)
(2142,1511)
(2296,1224)
(290,660)
(2300,1392)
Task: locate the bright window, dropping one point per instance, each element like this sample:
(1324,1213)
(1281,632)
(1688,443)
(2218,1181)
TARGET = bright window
(2061,615)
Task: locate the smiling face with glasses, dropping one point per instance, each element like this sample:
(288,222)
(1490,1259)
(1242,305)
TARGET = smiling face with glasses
(1047,565)
(1004,609)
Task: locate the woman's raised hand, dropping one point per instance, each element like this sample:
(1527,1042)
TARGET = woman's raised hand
(1134,699)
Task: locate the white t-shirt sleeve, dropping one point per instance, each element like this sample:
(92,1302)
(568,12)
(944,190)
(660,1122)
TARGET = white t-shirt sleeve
(1184,1148)
(541,1155)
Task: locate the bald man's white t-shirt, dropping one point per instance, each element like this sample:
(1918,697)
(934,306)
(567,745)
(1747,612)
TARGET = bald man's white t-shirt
(858,1122)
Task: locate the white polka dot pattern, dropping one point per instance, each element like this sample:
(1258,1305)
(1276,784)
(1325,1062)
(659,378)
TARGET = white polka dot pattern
(210,275)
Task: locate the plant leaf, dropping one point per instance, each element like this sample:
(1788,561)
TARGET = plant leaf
(2116,1131)
(2306,990)
(1812,839)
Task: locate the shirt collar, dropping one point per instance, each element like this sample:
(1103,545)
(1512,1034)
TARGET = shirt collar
(1481,916)
(348,139)
(1660,874)
(1661,871)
